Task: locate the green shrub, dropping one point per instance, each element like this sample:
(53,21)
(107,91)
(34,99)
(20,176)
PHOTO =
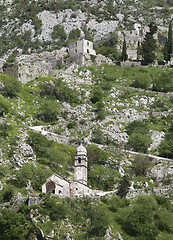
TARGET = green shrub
(102,178)
(49,111)
(142,80)
(59,32)
(164,82)
(3,171)
(116,203)
(7,193)
(137,127)
(97,135)
(74,34)
(140,142)
(96,155)
(71,125)
(123,186)
(5,129)
(138,219)
(39,143)
(59,90)
(37,23)
(140,165)
(97,94)
(100,110)
(12,86)
(15,226)
(166,145)
(4,107)
(100,220)
(56,211)
(23,175)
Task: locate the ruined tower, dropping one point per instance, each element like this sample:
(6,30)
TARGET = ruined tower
(80,165)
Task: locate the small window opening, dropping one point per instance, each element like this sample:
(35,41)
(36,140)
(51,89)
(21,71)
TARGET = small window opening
(60,192)
(88,43)
(75,50)
(53,191)
(76,43)
(79,160)
(88,51)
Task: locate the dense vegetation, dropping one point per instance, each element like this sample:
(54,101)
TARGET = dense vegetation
(41,102)
(131,103)
(147,217)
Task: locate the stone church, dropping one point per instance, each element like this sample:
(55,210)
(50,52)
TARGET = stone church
(68,188)
(62,187)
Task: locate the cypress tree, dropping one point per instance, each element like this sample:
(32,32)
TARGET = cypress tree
(166,58)
(169,43)
(124,55)
(139,51)
(149,45)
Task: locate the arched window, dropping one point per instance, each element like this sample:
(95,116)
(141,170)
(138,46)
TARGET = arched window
(79,160)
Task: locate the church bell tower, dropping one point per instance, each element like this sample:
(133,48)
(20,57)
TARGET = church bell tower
(80,165)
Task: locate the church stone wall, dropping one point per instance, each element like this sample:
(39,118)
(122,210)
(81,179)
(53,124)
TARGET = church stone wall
(80,174)
(79,189)
(62,186)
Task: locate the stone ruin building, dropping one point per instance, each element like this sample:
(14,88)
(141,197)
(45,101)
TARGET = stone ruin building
(81,47)
(80,50)
(62,187)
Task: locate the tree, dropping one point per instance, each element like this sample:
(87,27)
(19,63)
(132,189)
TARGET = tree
(74,34)
(141,164)
(49,111)
(169,43)
(140,142)
(166,57)
(149,45)
(124,55)
(100,220)
(139,50)
(12,86)
(14,226)
(123,186)
(59,32)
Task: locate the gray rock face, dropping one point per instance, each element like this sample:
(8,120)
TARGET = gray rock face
(49,20)
(102,29)
(28,26)
(24,152)
(156,138)
(25,149)
(35,65)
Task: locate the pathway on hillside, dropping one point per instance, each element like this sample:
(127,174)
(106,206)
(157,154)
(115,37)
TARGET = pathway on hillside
(65,140)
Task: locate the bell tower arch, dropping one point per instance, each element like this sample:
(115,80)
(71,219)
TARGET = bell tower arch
(80,165)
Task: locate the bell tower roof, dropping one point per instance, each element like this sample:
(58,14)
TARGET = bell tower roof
(81,150)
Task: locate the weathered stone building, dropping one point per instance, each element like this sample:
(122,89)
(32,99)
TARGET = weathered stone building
(67,188)
(81,47)
(62,187)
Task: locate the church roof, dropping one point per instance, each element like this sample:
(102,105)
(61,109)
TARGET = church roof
(81,150)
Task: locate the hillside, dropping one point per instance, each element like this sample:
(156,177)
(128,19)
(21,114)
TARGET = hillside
(48,25)
(123,120)
(122,115)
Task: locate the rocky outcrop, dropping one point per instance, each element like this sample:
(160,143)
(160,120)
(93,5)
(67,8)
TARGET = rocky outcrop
(38,65)
(23,152)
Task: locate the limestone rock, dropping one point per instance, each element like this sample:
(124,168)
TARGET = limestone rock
(1,186)
(156,138)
